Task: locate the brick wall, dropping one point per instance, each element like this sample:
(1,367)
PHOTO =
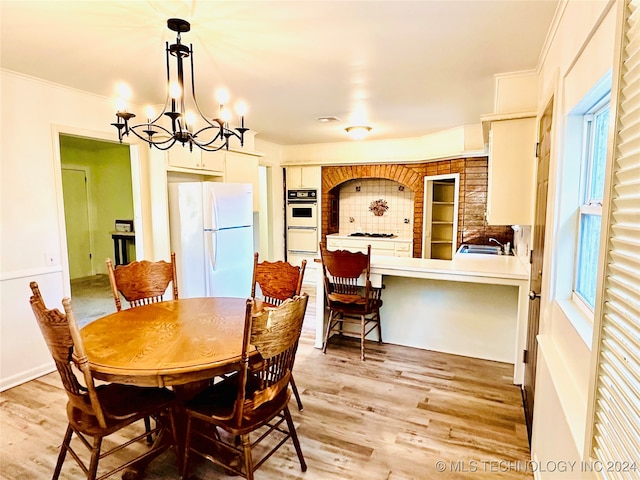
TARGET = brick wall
(472,226)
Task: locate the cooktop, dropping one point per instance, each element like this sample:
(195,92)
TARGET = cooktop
(374,235)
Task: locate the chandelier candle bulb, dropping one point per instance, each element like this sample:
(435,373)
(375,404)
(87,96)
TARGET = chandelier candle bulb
(150,114)
(241,110)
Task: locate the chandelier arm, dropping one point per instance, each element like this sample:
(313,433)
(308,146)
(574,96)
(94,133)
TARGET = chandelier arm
(153,142)
(195,100)
(218,136)
(207,146)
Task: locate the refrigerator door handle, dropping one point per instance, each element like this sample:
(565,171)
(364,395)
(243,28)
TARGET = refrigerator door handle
(210,247)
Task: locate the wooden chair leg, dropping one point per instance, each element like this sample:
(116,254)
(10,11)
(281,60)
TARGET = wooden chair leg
(187,445)
(248,462)
(295,393)
(174,438)
(363,323)
(95,456)
(63,452)
(147,427)
(326,335)
(294,438)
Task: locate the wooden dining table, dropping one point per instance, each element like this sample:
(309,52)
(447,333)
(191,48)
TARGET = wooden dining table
(171,343)
(182,344)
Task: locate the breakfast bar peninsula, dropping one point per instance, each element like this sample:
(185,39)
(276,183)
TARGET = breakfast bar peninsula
(474,305)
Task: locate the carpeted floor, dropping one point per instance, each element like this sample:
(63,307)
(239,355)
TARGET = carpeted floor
(91,298)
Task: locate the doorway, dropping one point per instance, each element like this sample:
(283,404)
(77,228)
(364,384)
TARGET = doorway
(537,257)
(96,190)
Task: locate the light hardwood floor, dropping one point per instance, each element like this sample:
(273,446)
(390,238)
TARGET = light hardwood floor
(393,417)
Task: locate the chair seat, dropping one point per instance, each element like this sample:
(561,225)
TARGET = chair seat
(217,402)
(122,405)
(357,308)
(347,298)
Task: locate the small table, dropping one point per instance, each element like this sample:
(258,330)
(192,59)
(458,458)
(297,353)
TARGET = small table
(120,241)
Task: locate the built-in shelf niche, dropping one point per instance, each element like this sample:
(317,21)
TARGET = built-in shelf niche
(440,216)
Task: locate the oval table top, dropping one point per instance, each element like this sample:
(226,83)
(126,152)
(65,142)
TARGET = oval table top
(167,343)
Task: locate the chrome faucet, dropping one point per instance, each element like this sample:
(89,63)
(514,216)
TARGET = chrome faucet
(491,239)
(506,247)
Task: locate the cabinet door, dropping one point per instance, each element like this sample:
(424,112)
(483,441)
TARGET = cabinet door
(311,177)
(403,249)
(294,177)
(180,156)
(243,169)
(213,161)
(304,177)
(511,172)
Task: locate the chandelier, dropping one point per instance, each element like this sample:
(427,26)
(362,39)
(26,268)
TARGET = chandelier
(179,124)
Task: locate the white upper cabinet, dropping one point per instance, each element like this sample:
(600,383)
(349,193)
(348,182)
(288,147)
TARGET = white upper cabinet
(179,158)
(213,161)
(233,167)
(242,168)
(304,177)
(512,165)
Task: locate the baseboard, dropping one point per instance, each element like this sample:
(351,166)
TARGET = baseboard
(23,377)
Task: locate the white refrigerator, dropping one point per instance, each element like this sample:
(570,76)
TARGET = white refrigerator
(211,229)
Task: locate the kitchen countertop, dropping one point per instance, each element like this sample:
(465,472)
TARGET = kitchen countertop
(346,236)
(480,268)
(463,265)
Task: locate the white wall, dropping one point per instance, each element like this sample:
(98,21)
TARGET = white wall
(464,141)
(272,159)
(580,53)
(30,198)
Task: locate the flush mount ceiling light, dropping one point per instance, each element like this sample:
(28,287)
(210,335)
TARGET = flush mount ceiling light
(179,121)
(358,132)
(328,119)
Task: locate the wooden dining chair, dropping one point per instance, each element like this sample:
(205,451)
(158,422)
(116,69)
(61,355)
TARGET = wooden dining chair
(143,282)
(349,294)
(252,399)
(98,411)
(277,282)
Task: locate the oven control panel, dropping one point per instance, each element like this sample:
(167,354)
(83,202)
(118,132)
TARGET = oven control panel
(302,195)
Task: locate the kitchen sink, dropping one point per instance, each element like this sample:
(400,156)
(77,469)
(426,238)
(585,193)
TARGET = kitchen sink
(485,249)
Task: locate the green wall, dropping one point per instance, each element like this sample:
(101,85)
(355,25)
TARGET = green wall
(110,189)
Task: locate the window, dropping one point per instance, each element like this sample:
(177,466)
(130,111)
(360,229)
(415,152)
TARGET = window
(596,127)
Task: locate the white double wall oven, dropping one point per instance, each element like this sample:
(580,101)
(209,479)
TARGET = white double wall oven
(302,221)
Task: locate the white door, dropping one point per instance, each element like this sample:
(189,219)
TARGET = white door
(76,215)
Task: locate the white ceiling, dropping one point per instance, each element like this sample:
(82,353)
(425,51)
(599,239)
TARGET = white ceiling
(409,67)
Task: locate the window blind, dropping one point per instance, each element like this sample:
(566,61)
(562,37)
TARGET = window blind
(616,431)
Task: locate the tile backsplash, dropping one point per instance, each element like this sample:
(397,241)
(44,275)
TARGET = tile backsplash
(356,197)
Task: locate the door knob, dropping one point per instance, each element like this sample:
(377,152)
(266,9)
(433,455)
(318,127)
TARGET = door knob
(533,295)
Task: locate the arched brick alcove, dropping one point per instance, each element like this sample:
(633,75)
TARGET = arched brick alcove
(472,227)
(335,176)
